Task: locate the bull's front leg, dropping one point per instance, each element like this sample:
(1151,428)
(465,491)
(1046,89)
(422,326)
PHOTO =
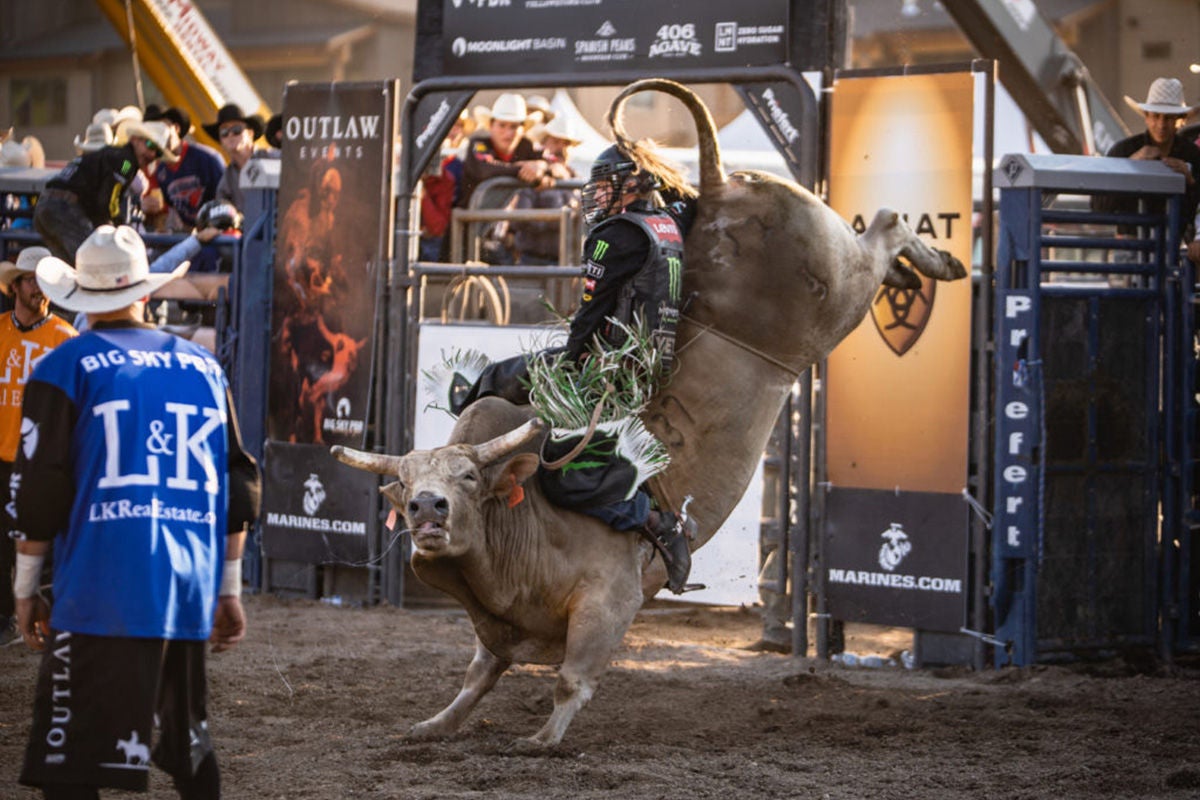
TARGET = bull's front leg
(482,673)
(593,634)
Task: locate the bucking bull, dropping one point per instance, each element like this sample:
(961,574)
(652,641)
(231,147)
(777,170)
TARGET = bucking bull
(776,280)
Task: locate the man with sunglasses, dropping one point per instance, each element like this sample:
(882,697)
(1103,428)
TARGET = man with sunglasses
(91,190)
(236,132)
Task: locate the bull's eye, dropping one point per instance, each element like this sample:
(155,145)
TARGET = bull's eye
(470,476)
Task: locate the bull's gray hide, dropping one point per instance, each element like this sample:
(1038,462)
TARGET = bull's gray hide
(777,279)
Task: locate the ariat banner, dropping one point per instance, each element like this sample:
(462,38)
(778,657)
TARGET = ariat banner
(333,235)
(898,386)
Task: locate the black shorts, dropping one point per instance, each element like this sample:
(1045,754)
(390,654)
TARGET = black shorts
(95,707)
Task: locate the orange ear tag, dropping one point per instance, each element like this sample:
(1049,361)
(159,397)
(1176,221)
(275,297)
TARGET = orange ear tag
(516,495)
(391,520)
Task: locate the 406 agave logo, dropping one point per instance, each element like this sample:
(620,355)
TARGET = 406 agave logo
(677,40)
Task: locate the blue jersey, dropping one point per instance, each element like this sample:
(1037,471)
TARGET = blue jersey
(126,458)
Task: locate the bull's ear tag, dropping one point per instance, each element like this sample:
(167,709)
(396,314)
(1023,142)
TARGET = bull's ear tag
(391,519)
(516,494)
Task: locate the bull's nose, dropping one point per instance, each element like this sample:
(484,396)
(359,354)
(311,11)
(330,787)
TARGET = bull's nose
(428,505)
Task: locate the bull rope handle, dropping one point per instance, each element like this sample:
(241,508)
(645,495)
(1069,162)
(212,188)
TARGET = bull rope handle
(587,435)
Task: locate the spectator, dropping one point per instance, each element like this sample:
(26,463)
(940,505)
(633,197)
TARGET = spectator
(191,180)
(274,135)
(27,333)
(1163,111)
(237,133)
(501,150)
(536,243)
(185,185)
(540,110)
(91,190)
(27,153)
(440,191)
(141,423)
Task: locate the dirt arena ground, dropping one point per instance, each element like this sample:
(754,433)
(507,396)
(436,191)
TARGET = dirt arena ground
(316,702)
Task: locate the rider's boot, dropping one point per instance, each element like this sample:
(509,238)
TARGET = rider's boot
(672,539)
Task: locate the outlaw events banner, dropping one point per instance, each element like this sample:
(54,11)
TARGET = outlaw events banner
(898,387)
(481,37)
(333,235)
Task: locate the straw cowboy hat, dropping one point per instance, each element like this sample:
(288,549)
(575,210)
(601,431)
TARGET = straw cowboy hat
(27,261)
(232,112)
(560,128)
(111,272)
(507,108)
(95,136)
(156,132)
(1165,97)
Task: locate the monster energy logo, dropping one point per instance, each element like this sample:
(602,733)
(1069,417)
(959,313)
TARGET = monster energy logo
(601,249)
(597,453)
(675,276)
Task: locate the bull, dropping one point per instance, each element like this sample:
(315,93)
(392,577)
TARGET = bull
(777,280)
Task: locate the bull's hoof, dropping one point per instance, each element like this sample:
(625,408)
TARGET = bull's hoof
(427,731)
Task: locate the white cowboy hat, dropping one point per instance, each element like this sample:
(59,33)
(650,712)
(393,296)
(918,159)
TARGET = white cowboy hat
(26,153)
(539,105)
(96,136)
(112,273)
(507,108)
(560,128)
(157,132)
(27,261)
(1165,97)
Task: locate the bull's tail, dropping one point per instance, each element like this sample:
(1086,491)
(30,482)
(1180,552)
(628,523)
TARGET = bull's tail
(712,174)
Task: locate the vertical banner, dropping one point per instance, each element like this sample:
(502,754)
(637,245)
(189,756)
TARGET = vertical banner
(334,234)
(898,386)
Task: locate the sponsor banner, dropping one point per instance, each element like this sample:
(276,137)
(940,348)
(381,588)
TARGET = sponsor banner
(1018,484)
(333,232)
(482,37)
(315,509)
(432,120)
(789,116)
(899,384)
(897,559)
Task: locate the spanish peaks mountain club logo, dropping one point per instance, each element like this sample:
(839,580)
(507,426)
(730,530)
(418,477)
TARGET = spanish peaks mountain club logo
(895,547)
(900,315)
(607,29)
(314,494)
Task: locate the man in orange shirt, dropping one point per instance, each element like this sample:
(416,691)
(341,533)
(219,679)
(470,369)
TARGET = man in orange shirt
(27,333)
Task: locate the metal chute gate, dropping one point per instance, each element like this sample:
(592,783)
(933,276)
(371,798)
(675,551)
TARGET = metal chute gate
(1094,412)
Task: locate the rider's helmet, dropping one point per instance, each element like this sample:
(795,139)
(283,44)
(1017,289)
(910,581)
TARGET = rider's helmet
(219,214)
(612,169)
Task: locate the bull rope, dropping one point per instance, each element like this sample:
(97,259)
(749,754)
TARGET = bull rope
(770,359)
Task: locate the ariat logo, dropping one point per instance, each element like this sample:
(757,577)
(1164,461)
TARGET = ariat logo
(314,494)
(900,315)
(601,249)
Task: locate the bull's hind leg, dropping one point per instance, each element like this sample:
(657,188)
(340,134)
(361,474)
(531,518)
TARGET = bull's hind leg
(482,673)
(592,636)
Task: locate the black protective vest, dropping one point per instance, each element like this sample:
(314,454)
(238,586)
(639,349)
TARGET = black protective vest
(657,288)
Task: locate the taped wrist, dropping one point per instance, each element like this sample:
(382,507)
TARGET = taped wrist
(231,578)
(28,576)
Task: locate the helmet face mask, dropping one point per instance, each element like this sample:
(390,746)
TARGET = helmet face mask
(606,186)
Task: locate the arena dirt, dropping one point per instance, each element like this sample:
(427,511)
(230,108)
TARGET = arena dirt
(315,704)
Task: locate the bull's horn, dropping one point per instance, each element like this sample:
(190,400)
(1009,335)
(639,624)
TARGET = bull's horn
(505,443)
(371,462)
